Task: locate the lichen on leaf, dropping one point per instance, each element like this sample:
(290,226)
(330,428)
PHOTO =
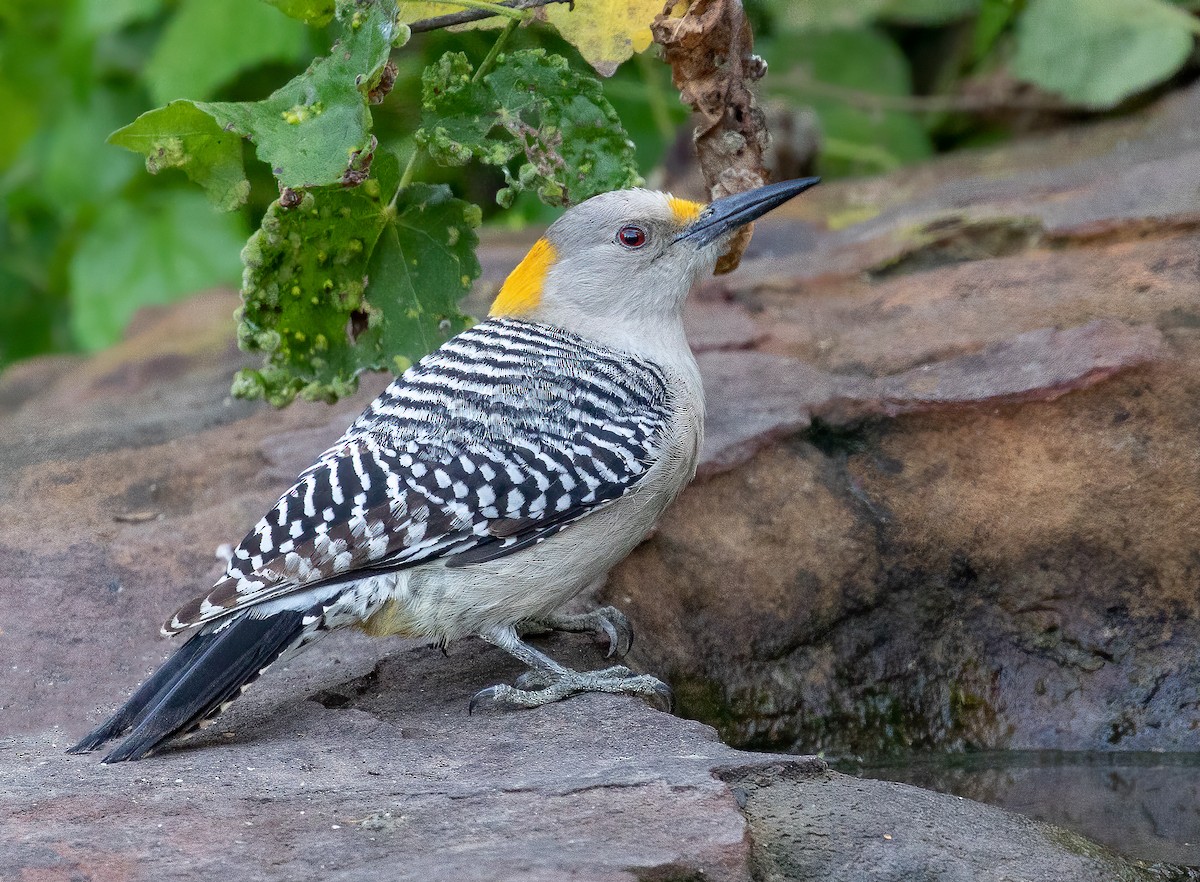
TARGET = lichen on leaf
(308,129)
(532,106)
(353,279)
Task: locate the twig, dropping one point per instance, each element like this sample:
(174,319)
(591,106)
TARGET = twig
(802,83)
(711,52)
(470,15)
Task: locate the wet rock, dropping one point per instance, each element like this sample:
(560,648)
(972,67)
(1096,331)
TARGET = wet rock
(804,828)
(395,780)
(1141,804)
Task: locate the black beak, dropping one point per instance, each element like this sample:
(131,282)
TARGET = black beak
(737,210)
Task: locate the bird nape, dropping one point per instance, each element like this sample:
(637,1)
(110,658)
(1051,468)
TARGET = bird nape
(489,484)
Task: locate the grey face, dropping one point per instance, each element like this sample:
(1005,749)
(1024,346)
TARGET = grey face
(627,227)
(635,254)
(616,258)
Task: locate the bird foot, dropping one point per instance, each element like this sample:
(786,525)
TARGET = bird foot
(535,688)
(607,620)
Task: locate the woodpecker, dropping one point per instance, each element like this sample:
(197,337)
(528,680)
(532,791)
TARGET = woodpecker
(486,486)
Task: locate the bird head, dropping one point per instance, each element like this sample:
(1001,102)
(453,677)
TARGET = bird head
(629,257)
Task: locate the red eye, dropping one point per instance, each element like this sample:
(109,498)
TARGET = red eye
(631,236)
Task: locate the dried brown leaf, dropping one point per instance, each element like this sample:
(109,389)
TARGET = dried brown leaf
(711,52)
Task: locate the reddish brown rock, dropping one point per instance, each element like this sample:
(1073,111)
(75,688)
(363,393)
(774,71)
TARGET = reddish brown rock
(1014,566)
(120,475)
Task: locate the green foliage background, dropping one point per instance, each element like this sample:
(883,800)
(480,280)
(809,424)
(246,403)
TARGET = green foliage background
(87,237)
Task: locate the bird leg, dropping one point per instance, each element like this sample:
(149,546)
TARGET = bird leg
(607,620)
(549,681)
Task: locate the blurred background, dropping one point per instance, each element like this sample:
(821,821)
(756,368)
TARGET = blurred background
(856,87)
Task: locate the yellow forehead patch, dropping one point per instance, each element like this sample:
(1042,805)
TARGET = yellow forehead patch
(522,290)
(684,210)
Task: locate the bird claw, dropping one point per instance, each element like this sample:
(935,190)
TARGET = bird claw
(608,620)
(610,631)
(483,695)
(616,626)
(667,694)
(535,688)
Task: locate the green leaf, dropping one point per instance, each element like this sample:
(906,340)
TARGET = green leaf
(182,136)
(839,75)
(423,265)
(77,131)
(1096,53)
(33,310)
(928,12)
(349,281)
(649,106)
(994,18)
(315,13)
(532,105)
(21,118)
(106,16)
(209,42)
(312,129)
(152,251)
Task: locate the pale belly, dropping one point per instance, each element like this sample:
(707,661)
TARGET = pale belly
(442,602)
(439,602)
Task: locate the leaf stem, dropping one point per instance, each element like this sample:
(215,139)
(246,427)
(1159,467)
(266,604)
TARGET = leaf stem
(486,65)
(490,61)
(407,175)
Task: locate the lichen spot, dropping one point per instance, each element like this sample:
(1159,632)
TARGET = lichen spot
(522,290)
(684,210)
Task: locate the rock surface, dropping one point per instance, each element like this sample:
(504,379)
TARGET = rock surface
(358,762)
(950,499)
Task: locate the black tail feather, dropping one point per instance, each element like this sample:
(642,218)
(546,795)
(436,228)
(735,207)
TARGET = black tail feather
(158,682)
(194,684)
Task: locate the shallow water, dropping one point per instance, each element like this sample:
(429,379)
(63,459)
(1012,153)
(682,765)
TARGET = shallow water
(1143,805)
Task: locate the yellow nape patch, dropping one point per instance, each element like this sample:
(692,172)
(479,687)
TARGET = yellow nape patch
(522,290)
(684,210)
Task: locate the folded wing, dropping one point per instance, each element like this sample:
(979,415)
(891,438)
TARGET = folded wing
(503,437)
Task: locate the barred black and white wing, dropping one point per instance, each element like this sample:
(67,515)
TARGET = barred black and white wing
(504,436)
